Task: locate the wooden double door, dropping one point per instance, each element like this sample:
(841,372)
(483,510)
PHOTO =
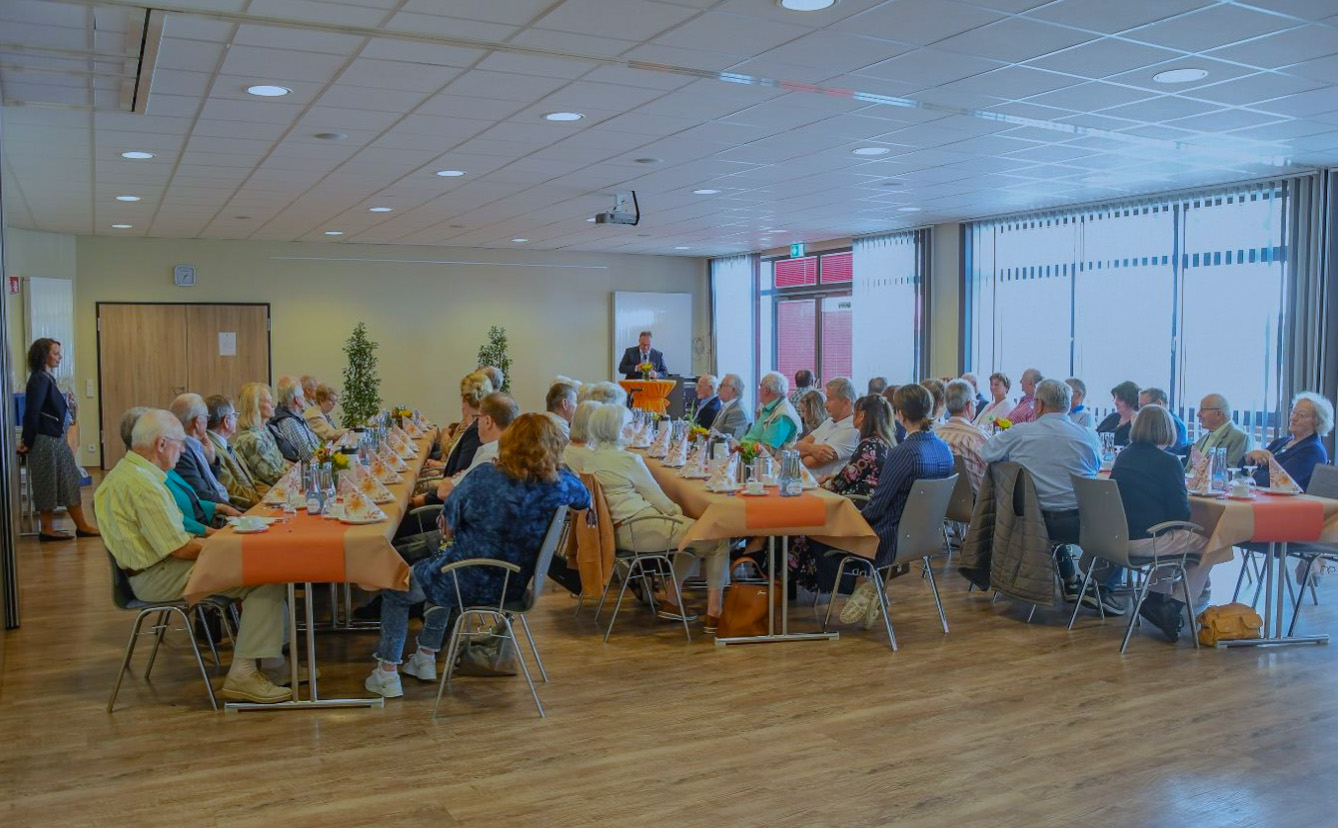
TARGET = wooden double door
(150,353)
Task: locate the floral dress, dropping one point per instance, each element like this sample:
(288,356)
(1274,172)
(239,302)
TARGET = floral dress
(857,477)
(260,454)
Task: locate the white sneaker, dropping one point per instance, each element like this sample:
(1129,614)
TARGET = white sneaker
(875,610)
(857,607)
(422,666)
(384,683)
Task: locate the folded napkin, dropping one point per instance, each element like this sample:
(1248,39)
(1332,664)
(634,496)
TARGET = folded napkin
(358,506)
(367,484)
(393,460)
(660,447)
(809,481)
(383,472)
(725,476)
(1279,480)
(1200,471)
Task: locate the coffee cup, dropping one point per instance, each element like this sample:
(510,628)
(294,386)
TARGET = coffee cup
(755,487)
(1240,488)
(250,523)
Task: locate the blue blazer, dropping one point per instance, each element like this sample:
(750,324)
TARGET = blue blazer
(44,409)
(1299,461)
(706,412)
(632,358)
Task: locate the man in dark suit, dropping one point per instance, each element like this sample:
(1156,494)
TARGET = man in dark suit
(708,404)
(195,464)
(640,354)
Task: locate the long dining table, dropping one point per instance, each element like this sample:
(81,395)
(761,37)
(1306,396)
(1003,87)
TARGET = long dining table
(306,549)
(818,513)
(1274,521)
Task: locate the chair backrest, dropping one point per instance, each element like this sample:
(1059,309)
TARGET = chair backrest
(963,500)
(920,531)
(553,538)
(122,595)
(430,511)
(1323,481)
(1103,528)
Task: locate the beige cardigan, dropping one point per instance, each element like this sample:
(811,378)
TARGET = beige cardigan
(320,423)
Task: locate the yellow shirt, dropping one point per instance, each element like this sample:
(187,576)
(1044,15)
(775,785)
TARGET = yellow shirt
(139,520)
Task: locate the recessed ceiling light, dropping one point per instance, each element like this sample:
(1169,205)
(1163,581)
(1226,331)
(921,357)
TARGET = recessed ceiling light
(1180,75)
(123,226)
(682,248)
(871,151)
(450,173)
(379,209)
(563,116)
(137,155)
(265,91)
(242,218)
(705,192)
(647,160)
(520,241)
(806,5)
(908,209)
(334,232)
(590,220)
(127,198)
(331,136)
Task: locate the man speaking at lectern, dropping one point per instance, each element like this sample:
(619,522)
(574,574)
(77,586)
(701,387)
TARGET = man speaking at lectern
(639,355)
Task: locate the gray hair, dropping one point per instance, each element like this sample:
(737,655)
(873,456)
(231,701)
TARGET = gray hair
(220,406)
(958,395)
(1218,401)
(1156,395)
(607,392)
(1153,425)
(1056,395)
(841,388)
(128,420)
(971,378)
(153,425)
(606,424)
(188,408)
(580,421)
(775,383)
(1033,374)
(734,381)
(708,379)
(1077,385)
(287,390)
(1323,411)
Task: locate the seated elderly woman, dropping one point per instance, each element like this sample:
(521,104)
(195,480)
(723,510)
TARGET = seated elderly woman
(317,413)
(458,448)
(577,452)
(1120,421)
(939,391)
(256,447)
(812,411)
(1152,488)
(602,392)
(859,476)
(999,404)
(631,492)
(500,511)
(1299,450)
(288,423)
(921,456)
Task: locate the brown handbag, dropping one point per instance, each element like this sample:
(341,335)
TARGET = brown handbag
(1228,622)
(745,609)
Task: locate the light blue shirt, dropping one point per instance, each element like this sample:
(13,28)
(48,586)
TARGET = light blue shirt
(1051,448)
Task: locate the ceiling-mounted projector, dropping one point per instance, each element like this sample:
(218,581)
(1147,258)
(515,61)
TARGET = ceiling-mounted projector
(625,211)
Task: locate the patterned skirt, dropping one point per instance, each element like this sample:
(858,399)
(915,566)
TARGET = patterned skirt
(54,473)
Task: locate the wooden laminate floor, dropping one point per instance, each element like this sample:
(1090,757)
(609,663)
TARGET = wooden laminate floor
(999,723)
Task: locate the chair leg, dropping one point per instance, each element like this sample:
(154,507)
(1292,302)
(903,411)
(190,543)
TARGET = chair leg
(836,585)
(1031,614)
(524,668)
(208,636)
(199,661)
(605,595)
(678,598)
(938,603)
(452,652)
(160,627)
(1300,596)
(1189,605)
(534,648)
(1244,572)
(621,592)
(1077,605)
(129,652)
(881,586)
(1133,612)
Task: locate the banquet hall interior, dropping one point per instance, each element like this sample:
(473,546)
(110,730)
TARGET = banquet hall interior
(206,204)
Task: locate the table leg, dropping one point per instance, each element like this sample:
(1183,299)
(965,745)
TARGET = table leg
(1273,629)
(784,634)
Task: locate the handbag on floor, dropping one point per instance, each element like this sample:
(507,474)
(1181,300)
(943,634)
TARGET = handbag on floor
(1228,622)
(487,654)
(745,609)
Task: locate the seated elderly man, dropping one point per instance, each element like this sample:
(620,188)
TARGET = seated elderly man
(317,413)
(602,392)
(778,424)
(198,456)
(1025,410)
(494,375)
(981,402)
(309,386)
(803,383)
(496,412)
(877,385)
(1220,431)
(1156,396)
(1078,411)
(828,447)
(1051,448)
(289,423)
(142,528)
(560,405)
(960,433)
(733,418)
(708,402)
(243,489)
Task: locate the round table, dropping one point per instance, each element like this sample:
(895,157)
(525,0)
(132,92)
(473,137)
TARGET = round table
(649,395)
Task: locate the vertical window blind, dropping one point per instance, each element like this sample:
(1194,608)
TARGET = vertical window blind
(887,296)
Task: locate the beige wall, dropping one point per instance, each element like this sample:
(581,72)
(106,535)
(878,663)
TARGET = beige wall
(29,254)
(944,301)
(428,318)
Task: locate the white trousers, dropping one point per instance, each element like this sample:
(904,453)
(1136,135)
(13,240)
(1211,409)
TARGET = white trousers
(665,534)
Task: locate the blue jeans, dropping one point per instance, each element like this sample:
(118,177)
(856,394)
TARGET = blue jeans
(395,623)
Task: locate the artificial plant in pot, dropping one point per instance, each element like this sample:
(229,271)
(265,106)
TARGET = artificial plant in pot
(361,397)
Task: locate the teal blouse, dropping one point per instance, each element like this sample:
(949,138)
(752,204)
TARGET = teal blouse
(196,514)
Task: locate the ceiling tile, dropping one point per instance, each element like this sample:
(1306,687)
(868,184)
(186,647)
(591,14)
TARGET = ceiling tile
(929,67)
(1283,48)
(394,74)
(1014,82)
(730,34)
(1108,17)
(1251,88)
(1014,40)
(1100,58)
(918,22)
(1209,28)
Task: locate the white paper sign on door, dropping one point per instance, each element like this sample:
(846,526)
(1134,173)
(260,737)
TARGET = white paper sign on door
(227,343)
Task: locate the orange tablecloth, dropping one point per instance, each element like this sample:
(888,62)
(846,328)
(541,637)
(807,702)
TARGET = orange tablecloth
(649,395)
(729,516)
(1232,522)
(312,549)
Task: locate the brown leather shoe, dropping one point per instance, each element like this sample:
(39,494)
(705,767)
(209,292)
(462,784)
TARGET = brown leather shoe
(254,688)
(711,625)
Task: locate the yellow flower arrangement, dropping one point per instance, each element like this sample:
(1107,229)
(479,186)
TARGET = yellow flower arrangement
(698,431)
(1003,423)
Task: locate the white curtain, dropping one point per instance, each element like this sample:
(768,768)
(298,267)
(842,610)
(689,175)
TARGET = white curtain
(886,317)
(49,312)
(733,308)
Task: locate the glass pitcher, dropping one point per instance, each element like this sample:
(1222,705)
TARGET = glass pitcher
(1218,471)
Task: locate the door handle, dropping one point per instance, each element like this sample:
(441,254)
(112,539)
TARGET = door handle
(178,389)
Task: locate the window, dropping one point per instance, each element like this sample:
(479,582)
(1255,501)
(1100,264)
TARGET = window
(1185,293)
(804,313)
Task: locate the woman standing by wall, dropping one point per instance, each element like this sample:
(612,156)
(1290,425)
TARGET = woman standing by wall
(51,466)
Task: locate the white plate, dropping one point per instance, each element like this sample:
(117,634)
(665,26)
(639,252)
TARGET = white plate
(383,501)
(746,493)
(1279,494)
(239,530)
(360,521)
(724,491)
